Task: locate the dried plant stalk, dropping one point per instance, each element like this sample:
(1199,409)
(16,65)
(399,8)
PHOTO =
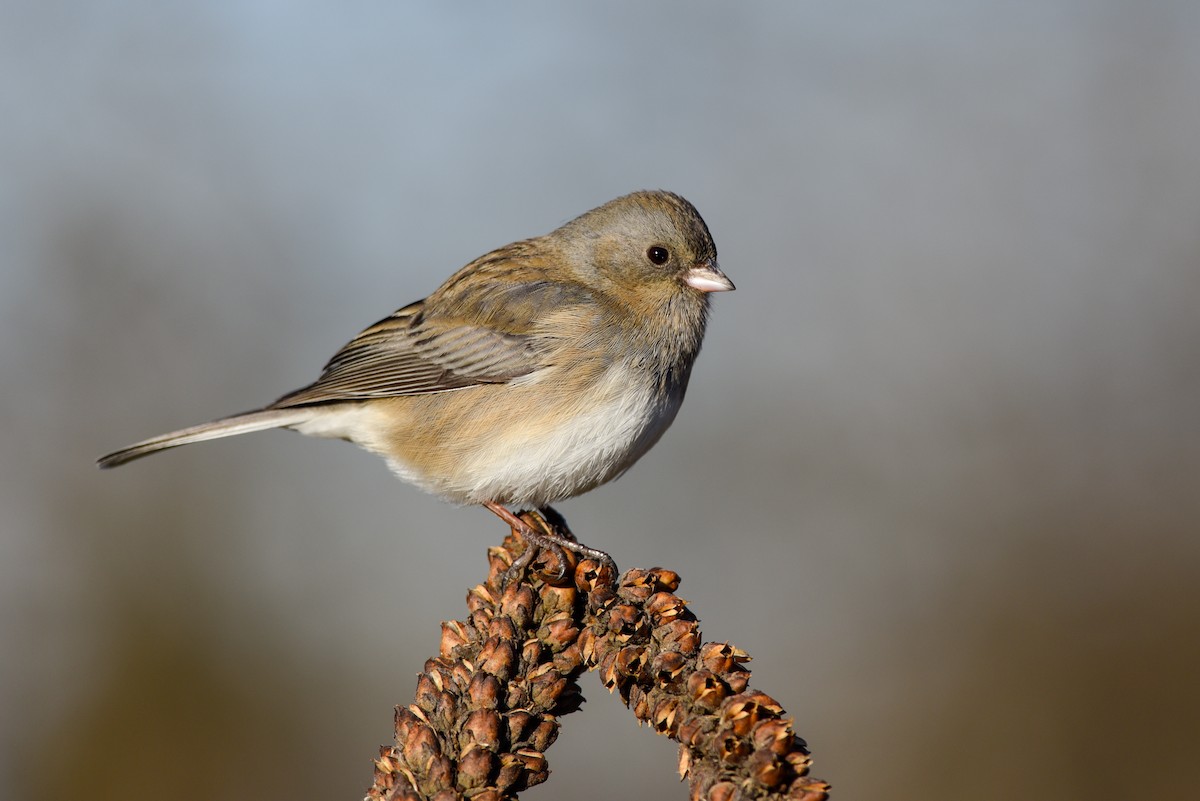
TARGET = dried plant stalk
(487,707)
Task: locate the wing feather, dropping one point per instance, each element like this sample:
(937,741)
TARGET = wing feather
(478,339)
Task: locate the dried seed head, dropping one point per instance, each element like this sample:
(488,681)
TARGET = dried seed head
(732,749)
(544,735)
(591,575)
(497,657)
(503,627)
(707,689)
(511,773)
(679,635)
(774,736)
(799,760)
(559,632)
(499,561)
(459,674)
(637,700)
(723,791)
(637,577)
(480,619)
(505,672)
(427,692)
(453,636)
(668,667)
(608,670)
(416,712)
(439,775)
(624,620)
(550,567)
(419,746)
(693,730)
(520,723)
(482,728)
(536,770)
(665,716)
(387,760)
(517,602)
(664,579)
(490,794)
(556,599)
(631,661)
(547,688)
(741,712)
(480,597)
(570,659)
(531,652)
(738,680)
(720,657)
(766,768)
(484,691)
(403,721)
(663,607)
(475,768)
(768,705)
(806,789)
(446,711)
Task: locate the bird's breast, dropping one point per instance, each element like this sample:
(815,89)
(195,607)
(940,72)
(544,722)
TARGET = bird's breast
(546,437)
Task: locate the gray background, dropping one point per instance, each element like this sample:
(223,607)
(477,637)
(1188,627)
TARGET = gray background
(938,471)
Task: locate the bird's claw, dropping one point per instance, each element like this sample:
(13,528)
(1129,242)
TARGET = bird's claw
(549,539)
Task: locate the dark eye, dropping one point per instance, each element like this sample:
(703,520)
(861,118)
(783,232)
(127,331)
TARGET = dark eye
(657,254)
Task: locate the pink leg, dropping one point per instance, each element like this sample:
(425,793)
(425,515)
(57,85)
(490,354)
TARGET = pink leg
(538,540)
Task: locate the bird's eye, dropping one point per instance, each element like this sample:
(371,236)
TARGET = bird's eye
(657,254)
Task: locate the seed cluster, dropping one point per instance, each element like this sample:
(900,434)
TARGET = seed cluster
(734,741)
(487,707)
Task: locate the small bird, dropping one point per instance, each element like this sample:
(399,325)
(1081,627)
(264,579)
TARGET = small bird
(535,373)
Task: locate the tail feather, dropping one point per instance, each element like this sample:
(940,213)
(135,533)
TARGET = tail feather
(225,427)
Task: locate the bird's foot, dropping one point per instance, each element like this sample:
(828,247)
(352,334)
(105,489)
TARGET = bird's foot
(546,533)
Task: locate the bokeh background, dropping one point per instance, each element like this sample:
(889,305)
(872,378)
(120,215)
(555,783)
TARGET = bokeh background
(939,470)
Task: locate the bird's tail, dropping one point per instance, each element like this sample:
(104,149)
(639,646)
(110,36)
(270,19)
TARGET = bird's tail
(225,427)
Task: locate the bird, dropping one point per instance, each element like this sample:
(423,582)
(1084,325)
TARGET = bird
(535,373)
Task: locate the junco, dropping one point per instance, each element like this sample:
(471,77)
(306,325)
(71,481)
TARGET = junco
(535,373)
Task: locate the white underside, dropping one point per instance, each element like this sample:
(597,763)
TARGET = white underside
(343,421)
(598,444)
(530,465)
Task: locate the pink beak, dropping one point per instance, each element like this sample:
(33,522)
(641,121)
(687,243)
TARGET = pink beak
(707,277)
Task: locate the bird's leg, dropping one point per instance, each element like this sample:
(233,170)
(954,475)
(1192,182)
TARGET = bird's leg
(554,524)
(554,536)
(534,542)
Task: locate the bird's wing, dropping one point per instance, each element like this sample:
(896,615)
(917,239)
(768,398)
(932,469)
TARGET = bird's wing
(479,337)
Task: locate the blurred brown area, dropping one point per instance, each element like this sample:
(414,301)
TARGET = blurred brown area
(938,472)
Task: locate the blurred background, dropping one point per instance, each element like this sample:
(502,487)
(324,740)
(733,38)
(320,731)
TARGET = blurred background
(938,471)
